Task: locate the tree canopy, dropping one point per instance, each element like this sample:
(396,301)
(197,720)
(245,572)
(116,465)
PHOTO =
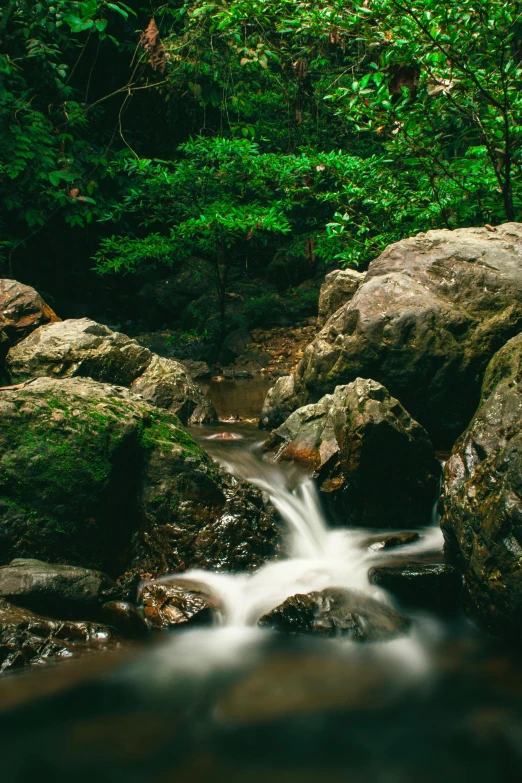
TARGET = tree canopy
(136,136)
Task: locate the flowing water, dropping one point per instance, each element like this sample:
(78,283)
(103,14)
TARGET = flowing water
(239,703)
(315,557)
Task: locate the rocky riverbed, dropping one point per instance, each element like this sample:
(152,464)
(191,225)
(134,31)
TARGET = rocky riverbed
(118,524)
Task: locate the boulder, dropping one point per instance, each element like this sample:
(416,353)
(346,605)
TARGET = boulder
(22,310)
(374,464)
(393,540)
(27,638)
(482,499)
(92,475)
(339,287)
(81,347)
(186,603)
(429,316)
(168,385)
(78,347)
(337,612)
(425,585)
(57,590)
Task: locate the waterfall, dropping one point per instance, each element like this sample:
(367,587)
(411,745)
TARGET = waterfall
(316,557)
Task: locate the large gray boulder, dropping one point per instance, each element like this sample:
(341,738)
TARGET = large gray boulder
(78,347)
(54,589)
(339,287)
(374,464)
(91,475)
(430,314)
(82,347)
(482,498)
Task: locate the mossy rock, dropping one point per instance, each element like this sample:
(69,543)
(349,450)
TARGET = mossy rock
(92,475)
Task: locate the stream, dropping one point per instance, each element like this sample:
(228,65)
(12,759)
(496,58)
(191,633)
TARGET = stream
(235,702)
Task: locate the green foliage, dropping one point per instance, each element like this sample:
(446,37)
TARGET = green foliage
(48,164)
(317,131)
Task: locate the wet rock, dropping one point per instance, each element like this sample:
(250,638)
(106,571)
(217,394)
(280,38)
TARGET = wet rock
(482,499)
(339,288)
(336,612)
(22,310)
(92,475)
(179,605)
(430,314)
(166,384)
(394,540)
(58,590)
(78,347)
(425,585)
(126,618)
(26,637)
(374,464)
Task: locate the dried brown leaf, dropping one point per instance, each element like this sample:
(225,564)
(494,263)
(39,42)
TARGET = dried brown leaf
(151,42)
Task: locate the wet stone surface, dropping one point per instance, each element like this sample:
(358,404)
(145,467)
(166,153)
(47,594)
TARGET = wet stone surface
(435,586)
(183,604)
(335,612)
(26,637)
(54,589)
(126,618)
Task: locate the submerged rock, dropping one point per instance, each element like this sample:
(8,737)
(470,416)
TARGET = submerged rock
(394,540)
(170,605)
(92,475)
(482,499)
(335,612)
(374,464)
(167,384)
(339,287)
(82,347)
(54,589)
(425,585)
(27,638)
(430,314)
(22,310)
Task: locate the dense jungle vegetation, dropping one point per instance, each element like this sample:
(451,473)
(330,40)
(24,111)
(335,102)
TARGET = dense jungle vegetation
(248,143)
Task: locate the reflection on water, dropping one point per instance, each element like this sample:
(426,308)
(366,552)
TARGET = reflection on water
(238,397)
(237,703)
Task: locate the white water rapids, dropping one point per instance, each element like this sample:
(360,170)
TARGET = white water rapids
(316,557)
